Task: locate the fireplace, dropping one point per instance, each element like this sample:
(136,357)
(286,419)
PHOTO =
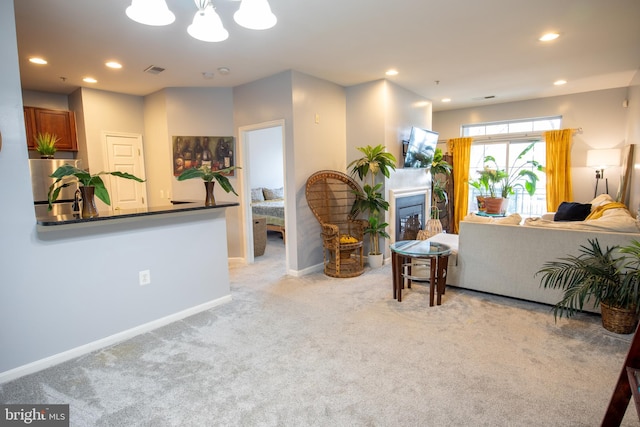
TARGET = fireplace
(407,213)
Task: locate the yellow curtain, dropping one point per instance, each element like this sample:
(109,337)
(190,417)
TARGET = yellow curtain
(460,149)
(558,166)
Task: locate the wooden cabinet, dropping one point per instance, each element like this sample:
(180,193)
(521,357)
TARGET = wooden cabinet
(62,123)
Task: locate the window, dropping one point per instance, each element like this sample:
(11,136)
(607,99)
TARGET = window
(505,141)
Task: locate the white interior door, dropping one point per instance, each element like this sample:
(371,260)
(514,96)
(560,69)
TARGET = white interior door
(124,154)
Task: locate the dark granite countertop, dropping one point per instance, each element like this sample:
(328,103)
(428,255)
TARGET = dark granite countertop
(177,207)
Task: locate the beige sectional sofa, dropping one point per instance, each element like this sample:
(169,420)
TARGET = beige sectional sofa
(502,256)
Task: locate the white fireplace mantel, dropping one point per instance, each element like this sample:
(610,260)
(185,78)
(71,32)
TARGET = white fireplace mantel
(404,192)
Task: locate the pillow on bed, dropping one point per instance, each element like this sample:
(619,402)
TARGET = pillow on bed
(572,211)
(256,195)
(273,193)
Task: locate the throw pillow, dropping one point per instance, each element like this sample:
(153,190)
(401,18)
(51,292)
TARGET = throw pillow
(257,195)
(572,211)
(275,193)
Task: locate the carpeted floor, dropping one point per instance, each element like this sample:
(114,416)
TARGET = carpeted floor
(318,351)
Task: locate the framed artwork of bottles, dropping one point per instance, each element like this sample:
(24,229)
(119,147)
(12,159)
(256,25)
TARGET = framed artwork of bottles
(217,152)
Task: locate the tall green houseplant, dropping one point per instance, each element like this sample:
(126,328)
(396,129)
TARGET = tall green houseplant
(371,201)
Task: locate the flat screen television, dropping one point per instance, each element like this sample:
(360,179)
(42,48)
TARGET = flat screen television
(421,148)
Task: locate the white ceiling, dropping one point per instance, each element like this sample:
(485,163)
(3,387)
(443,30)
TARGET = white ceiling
(474,48)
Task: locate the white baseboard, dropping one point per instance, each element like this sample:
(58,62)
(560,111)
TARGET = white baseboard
(56,359)
(309,270)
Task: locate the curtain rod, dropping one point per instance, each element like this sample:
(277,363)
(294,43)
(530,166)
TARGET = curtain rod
(510,136)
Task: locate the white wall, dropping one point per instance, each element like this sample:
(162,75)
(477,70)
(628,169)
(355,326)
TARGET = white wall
(633,137)
(309,146)
(600,114)
(317,146)
(265,158)
(158,160)
(52,101)
(264,101)
(62,290)
(381,112)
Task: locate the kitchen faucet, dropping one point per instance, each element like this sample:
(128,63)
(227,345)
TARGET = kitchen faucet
(76,201)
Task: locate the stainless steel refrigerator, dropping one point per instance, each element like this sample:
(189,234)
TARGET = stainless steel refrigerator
(41,169)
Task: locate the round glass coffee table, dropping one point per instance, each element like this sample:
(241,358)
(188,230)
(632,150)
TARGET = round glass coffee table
(404,251)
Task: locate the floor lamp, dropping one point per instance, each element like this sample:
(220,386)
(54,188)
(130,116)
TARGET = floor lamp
(601,160)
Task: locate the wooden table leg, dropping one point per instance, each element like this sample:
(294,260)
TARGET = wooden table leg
(399,278)
(443,263)
(433,282)
(394,266)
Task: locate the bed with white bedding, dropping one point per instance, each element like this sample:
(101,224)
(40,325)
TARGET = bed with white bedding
(269,203)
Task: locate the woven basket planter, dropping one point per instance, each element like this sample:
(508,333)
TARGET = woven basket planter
(618,320)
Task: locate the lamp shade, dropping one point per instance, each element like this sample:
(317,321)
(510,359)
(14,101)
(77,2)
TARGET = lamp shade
(255,15)
(150,12)
(207,26)
(603,159)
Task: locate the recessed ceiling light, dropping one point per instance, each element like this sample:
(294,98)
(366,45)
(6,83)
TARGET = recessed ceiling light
(446,99)
(224,70)
(548,37)
(392,72)
(113,64)
(560,82)
(89,80)
(39,61)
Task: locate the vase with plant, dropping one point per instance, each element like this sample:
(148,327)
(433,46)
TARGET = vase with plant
(481,187)
(503,182)
(90,186)
(609,277)
(371,201)
(46,144)
(208,175)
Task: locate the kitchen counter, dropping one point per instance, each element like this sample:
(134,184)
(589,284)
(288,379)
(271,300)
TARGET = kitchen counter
(49,222)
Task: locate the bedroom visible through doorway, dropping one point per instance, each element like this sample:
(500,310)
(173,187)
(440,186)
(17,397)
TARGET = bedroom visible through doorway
(265,185)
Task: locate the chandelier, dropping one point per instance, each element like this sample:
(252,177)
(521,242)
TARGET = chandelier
(207,25)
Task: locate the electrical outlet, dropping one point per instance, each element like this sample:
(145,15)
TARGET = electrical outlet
(145,277)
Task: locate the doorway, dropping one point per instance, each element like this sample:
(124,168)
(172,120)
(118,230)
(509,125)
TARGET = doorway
(263,160)
(124,154)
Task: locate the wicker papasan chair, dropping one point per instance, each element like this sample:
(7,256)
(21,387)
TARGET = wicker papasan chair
(330,196)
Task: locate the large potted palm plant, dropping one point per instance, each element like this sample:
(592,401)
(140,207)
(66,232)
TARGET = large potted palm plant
(371,201)
(609,277)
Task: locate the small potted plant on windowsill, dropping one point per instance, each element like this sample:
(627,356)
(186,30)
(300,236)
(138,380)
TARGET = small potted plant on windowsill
(46,144)
(90,186)
(208,175)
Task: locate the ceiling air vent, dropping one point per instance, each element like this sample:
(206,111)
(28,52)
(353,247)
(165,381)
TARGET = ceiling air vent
(152,69)
(481,98)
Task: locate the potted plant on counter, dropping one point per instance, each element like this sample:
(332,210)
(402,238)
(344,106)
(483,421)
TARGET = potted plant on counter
(597,275)
(46,144)
(374,161)
(90,186)
(208,175)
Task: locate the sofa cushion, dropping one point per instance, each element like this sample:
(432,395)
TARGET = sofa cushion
(572,211)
